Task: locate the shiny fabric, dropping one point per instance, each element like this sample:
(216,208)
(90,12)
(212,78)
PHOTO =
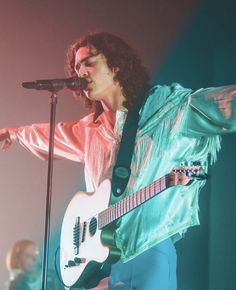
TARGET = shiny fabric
(175,125)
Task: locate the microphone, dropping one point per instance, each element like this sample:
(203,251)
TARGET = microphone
(74,83)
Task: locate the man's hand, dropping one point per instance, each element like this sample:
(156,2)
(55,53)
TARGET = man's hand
(5,139)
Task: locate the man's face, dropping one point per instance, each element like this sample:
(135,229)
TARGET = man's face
(29,258)
(93,66)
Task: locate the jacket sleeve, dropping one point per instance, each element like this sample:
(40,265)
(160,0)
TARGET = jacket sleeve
(211,111)
(68,142)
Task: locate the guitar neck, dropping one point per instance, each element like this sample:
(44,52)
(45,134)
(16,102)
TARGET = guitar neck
(132,201)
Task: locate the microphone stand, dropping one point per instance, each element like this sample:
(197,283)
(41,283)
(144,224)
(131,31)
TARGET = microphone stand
(52,86)
(53,102)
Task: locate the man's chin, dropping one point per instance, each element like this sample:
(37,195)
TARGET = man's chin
(92,96)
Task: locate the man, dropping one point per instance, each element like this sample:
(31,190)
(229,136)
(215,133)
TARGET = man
(175,125)
(23,264)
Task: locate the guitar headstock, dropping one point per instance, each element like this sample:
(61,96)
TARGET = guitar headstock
(186,174)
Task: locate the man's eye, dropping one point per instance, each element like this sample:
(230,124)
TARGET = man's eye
(89,63)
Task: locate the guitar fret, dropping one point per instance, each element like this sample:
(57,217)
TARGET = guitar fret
(106,219)
(100,220)
(115,211)
(135,200)
(119,210)
(155,187)
(110,211)
(138,198)
(108,215)
(130,202)
(111,215)
(142,195)
(163,183)
(152,188)
(124,205)
(147,193)
(127,204)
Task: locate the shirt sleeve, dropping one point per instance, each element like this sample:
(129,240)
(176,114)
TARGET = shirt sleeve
(68,142)
(211,111)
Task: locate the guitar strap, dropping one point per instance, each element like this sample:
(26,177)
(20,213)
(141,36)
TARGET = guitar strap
(121,171)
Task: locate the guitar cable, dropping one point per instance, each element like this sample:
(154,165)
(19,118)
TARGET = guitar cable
(56,269)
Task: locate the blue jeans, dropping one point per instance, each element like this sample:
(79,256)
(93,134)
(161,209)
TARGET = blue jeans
(154,269)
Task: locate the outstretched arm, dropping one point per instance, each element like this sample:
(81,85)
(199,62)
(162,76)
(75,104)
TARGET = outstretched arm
(68,142)
(5,139)
(212,111)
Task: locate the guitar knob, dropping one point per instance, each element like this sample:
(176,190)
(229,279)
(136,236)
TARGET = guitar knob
(77,260)
(70,264)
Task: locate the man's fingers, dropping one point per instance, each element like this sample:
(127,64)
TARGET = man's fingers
(6,144)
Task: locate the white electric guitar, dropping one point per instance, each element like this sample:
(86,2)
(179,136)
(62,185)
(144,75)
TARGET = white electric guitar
(87,235)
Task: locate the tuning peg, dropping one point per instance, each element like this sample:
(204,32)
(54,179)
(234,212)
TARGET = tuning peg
(193,163)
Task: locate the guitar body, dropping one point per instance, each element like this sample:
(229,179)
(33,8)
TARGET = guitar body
(95,247)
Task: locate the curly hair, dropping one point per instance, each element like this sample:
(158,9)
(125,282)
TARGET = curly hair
(132,76)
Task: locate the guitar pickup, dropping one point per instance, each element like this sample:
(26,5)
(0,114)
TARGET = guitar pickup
(76,236)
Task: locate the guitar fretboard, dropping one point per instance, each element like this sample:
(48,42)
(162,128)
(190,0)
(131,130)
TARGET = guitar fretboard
(132,201)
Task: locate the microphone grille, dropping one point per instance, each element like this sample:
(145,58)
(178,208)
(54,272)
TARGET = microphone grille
(77,83)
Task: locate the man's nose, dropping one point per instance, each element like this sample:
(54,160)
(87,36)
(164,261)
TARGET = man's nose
(82,72)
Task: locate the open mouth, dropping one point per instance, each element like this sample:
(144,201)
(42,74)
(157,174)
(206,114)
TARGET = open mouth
(89,85)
